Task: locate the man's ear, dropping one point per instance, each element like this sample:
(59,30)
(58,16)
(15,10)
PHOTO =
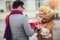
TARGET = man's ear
(19,7)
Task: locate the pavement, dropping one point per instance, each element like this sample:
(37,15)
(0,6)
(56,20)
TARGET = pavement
(31,14)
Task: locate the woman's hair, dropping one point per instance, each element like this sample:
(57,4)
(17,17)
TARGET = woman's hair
(17,3)
(47,18)
(45,9)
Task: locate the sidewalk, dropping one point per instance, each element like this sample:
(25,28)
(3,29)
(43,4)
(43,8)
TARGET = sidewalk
(3,15)
(31,14)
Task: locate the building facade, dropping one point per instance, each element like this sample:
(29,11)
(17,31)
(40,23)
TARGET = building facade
(5,5)
(31,6)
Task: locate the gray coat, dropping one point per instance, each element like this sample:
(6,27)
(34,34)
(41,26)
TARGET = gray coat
(20,27)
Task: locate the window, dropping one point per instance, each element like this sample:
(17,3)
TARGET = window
(38,3)
(8,5)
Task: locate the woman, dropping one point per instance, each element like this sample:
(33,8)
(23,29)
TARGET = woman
(46,32)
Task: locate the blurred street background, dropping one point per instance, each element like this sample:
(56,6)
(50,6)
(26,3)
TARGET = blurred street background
(31,9)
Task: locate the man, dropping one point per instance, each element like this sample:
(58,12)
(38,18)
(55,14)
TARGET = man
(19,25)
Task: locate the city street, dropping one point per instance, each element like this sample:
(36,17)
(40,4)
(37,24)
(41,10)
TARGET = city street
(32,8)
(56,30)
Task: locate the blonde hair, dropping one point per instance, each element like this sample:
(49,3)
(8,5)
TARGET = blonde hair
(44,9)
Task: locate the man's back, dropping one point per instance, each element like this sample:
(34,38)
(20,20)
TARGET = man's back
(17,27)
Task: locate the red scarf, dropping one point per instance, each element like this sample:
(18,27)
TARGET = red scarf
(7,30)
